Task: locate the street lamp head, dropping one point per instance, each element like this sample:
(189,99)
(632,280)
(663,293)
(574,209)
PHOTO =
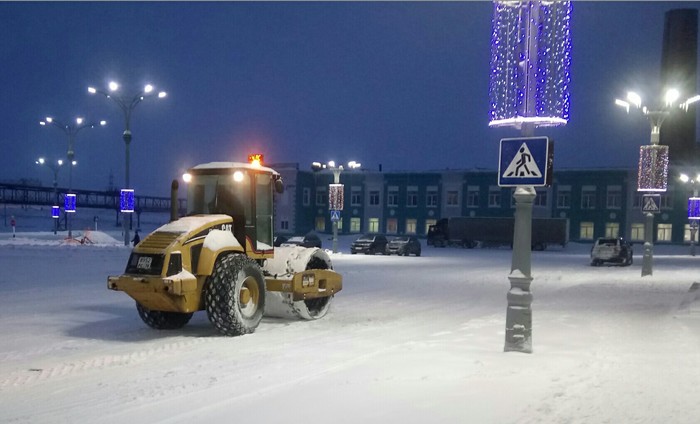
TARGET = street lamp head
(49,119)
(634,99)
(162,94)
(60,162)
(103,123)
(92,90)
(671,96)
(79,120)
(354,165)
(624,104)
(113,86)
(331,164)
(40,161)
(148,88)
(75,162)
(684,178)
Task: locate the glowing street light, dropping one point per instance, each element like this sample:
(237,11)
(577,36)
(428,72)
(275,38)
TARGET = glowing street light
(127,104)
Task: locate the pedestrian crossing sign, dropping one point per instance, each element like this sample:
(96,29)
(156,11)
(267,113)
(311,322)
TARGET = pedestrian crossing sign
(651,203)
(525,162)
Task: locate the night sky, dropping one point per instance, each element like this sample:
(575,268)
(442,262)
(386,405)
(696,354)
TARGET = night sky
(404,85)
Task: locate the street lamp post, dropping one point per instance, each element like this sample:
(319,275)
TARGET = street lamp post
(127,104)
(54,167)
(335,193)
(72,132)
(653,159)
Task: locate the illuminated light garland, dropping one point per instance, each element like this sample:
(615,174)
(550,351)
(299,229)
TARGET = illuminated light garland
(335,197)
(530,63)
(653,168)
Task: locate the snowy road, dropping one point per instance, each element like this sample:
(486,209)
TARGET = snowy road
(409,340)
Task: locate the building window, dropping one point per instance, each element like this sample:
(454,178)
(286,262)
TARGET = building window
(284,225)
(320,224)
(564,197)
(355,225)
(588,197)
(586,232)
(472,197)
(612,229)
(494,197)
(392,197)
(453,198)
(663,232)
(374,198)
(411,226)
(321,197)
(356,196)
(614,197)
(637,232)
(540,198)
(666,201)
(306,196)
(637,200)
(412,197)
(431,198)
(392,226)
(428,223)
(373,226)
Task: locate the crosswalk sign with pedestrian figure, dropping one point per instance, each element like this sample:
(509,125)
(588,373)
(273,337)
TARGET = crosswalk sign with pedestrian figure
(525,162)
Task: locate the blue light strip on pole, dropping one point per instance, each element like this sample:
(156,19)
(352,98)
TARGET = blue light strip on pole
(126,200)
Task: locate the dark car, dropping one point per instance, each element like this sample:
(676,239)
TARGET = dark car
(613,250)
(279,240)
(369,244)
(309,240)
(404,245)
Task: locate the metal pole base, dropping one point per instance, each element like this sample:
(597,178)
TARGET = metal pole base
(647,259)
(519,314)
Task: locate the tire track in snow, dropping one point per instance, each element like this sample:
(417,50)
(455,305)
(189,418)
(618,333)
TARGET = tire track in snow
(68,368)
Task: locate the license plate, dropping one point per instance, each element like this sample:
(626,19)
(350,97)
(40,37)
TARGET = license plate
(144,262)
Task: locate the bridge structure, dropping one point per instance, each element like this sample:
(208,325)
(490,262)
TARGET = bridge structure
(16,194)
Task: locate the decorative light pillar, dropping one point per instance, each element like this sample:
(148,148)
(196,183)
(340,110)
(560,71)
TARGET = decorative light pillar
(529,88)
(653,158)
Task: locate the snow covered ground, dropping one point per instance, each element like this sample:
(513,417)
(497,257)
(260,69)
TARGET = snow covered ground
(408,340)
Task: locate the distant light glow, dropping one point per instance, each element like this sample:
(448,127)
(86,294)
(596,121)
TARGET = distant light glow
(238,176)
(79,120)
(113,86)
(530,63)
(653,168)
(186,177)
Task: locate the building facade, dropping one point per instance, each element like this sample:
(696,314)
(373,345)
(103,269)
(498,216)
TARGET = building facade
(597,202)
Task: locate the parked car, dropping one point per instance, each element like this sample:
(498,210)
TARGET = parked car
(404,245)
(369,244)
(277,242)
(615,250)
(309,240)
